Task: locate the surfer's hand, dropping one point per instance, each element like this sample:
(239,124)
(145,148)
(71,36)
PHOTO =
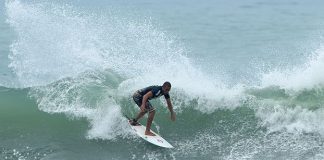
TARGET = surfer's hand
(173,116)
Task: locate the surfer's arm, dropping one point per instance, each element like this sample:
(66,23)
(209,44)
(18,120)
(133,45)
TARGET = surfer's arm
(145,98)
(170,109)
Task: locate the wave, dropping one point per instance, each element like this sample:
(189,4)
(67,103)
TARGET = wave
(87,65)
(256,129)
(292,111)
(82,64)
(304,76)
(292,99)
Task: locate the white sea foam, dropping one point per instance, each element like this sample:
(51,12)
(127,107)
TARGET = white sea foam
(305,117)
(57,46)
(306,76)
(294,120)
(62,53)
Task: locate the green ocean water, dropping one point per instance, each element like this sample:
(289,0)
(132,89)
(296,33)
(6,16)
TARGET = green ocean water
(246,78)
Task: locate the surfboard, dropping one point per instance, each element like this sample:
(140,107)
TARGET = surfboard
(139,129)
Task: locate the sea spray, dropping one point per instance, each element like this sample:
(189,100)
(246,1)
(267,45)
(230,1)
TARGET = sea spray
(82,65)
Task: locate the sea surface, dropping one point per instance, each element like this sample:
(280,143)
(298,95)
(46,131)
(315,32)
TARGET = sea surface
(247,78)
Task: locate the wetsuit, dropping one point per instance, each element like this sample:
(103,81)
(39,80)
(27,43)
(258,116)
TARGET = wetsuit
(157,92)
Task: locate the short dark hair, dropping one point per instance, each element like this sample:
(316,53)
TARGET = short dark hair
(167,84)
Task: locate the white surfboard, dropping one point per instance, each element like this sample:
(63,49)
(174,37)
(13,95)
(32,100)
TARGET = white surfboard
(156,140)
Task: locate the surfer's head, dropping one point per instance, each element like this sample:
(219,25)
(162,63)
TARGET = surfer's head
(166,87)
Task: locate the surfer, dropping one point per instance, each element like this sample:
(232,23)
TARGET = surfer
(142,97)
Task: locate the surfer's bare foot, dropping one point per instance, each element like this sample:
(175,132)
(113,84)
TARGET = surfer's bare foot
(148,133)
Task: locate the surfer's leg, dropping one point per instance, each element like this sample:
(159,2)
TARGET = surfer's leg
(148,108)
(138,100)
(149,122)
(140,115)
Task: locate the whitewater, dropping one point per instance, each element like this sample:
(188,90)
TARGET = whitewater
(247,79)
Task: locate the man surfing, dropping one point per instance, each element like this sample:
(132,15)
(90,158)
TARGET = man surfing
(142,97)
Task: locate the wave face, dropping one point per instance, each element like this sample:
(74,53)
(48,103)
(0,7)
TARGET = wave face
(85,66)
(114,56)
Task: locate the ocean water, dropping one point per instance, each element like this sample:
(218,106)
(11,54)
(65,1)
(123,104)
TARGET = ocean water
(247,78)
